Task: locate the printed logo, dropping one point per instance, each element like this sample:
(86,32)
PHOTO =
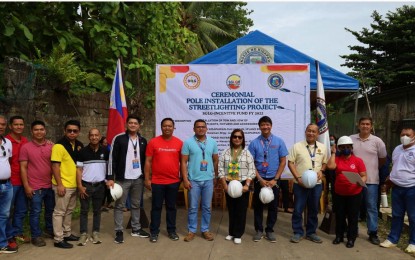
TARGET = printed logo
(233,81)
(353,166)
(191,80)
(275,81)
(323,125)
(255,55)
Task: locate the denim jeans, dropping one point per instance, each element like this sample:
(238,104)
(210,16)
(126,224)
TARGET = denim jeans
(202,190)
(133,188)
(42,196)
(259,208)
(402,200)
(6,195)
(161,193)
(18,211)
(372,208)
(96,195)
(310,198)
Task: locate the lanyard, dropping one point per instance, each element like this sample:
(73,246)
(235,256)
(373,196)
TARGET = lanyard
(203,148)
(312,155)
(265,147)
(135,147)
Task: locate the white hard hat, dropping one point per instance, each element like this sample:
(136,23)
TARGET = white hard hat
(116,191)
(235,189)
(266,195)
(344,140)
(309,178)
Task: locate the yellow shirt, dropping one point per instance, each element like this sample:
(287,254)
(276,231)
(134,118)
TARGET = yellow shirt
(67,167)
(300,156)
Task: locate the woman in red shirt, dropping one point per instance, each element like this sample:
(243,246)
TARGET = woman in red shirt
(349,195)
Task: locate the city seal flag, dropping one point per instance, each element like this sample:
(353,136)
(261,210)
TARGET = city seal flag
(118,108)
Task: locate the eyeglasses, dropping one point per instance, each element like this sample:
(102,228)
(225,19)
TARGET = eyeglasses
(4,150)
(237,137)
(75,131)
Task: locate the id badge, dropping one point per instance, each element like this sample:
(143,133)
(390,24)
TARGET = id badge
(265,167)
(203,166)
(136,164)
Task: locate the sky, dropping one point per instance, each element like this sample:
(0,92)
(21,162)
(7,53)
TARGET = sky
(317,28)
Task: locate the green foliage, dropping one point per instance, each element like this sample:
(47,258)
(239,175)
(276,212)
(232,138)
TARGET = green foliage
(385,60)
(215,23)
(91,36)
(64,70)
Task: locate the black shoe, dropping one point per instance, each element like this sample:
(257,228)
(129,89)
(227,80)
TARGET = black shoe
(173,236)
(38,241)
(374,239)
(154,238)
(63,244)
(338,240)
(350,243)
(119,237)
(139,233)
(72,237)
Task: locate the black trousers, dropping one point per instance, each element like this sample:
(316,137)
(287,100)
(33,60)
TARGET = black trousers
(259,208)
(237,213)
(96,194)
(347,207)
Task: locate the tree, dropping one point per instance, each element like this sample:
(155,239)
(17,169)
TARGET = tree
(215,23)
(387,58)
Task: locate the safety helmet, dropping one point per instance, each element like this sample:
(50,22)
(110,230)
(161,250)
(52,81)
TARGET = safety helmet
(235,189)
(266,195)
(309,179)
(344,140)
(116,191)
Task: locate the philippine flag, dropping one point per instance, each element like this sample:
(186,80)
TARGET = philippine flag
(118,108)
(322,122)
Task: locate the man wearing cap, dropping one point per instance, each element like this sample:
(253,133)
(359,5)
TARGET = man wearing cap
(403,189)
(372,150)
(269,153)
(307,155)
(6,189)
(90,176)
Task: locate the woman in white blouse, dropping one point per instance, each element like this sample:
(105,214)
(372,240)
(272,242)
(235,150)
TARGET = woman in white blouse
(236,163)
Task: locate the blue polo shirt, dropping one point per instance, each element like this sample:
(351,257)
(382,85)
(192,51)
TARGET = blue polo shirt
(274,148)
(193,148)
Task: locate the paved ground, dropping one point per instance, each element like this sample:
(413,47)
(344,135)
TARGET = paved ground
(141,248)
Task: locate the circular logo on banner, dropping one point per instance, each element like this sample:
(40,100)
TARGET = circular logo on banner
(322,123)
(275,81)
(191,80)
(255,55)
(233,81)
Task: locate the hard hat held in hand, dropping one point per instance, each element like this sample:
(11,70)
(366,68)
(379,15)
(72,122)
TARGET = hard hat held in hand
(309,179)
(266,195)
(235,189)
(116,191)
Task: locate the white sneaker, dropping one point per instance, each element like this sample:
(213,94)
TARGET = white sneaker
(229,237)
(83,239)
(388,244)
(410,249)
(237,241)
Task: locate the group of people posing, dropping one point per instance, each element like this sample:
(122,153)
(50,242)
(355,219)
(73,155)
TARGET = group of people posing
(52,175)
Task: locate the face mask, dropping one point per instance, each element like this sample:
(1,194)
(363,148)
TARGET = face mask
(347,152)
(405,140)
(331,142)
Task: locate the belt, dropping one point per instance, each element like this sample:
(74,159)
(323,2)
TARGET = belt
(94,184)
(4,181)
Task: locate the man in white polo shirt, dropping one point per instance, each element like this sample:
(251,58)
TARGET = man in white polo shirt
(371,149)
(403,191)
(90,177)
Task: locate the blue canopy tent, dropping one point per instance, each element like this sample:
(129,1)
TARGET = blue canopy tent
(335,82)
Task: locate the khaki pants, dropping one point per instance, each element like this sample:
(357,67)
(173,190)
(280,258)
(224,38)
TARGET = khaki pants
(62,214)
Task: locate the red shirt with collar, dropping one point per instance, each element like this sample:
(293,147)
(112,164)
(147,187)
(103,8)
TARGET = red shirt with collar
(14,161)
(342,185)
